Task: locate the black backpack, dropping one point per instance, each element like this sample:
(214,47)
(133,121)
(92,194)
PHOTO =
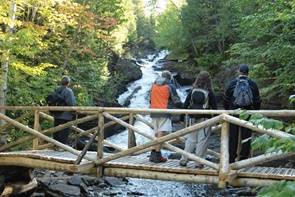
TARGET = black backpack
(243,96)
(199,100)
(55,99)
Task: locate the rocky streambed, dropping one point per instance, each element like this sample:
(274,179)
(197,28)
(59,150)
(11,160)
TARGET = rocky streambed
(55,184)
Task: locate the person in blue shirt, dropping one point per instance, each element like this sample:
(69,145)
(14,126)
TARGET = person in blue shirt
(228,104)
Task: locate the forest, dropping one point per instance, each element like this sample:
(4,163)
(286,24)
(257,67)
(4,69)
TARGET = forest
(42,40)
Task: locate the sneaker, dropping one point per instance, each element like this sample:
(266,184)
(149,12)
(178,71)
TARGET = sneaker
(158,158)
(183,162)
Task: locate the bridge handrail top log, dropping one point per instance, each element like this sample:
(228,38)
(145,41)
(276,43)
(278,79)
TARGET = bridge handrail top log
(259,128)
(122,110)
(259,159)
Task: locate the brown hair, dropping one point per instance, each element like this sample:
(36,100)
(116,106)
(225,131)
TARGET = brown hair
(203,81)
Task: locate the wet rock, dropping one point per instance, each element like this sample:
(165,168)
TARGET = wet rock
(63,190)
(127,101)
(75,180)
(57,184)
(135,193)
(112,181)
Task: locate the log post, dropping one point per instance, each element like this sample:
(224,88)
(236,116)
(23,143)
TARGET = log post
(37,128)
(239,148)
(100,139)
(131,134)
(224,156)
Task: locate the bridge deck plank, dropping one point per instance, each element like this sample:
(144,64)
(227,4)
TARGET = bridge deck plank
(142,163)
(268,173)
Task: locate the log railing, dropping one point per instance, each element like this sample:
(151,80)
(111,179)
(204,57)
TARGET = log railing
(128,116)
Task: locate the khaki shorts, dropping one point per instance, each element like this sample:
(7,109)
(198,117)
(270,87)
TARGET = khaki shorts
(162,124)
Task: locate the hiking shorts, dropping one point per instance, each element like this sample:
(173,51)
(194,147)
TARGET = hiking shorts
(162,124)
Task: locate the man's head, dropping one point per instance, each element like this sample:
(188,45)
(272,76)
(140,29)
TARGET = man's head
(244,69)
(166,74)
(65,80)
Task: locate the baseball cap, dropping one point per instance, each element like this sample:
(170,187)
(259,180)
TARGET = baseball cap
(244,68)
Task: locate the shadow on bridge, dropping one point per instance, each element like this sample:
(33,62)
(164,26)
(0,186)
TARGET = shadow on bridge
(133,162)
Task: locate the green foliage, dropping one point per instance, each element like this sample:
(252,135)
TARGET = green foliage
(208,61)
(169,34)
(54,38)
(42,41)
(279,189)
(270,144)
(214,33)
(265,142)
(268,36)
(292,101)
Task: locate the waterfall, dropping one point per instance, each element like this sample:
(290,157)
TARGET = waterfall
(140,98)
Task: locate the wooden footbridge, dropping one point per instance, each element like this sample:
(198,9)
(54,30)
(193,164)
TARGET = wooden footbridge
(133,161)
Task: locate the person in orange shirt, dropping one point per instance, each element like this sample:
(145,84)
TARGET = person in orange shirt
(163,95)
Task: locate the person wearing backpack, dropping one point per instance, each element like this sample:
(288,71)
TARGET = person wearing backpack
(201,96)
(64,116)
(242,93)
(163,95)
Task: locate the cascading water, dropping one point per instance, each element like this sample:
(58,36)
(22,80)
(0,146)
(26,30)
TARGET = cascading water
(140,99)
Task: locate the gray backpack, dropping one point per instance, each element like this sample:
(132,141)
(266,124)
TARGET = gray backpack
(243,96)
(199,100)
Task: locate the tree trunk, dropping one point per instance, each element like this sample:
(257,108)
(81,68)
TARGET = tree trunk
(4,69)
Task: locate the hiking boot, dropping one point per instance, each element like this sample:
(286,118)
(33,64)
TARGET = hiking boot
(158,158)
(199,166)
(152,156)
(183,162)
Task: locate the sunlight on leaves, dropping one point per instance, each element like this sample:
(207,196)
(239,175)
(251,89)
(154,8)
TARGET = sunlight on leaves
(244,115)
(290,129)
(261,142)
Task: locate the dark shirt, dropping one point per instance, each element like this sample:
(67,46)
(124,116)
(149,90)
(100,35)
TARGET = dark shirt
(69,97)
(228,98)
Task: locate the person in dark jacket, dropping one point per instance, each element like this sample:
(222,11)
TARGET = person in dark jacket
(163,95)
(228,103)
(197,141)
(64,116)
